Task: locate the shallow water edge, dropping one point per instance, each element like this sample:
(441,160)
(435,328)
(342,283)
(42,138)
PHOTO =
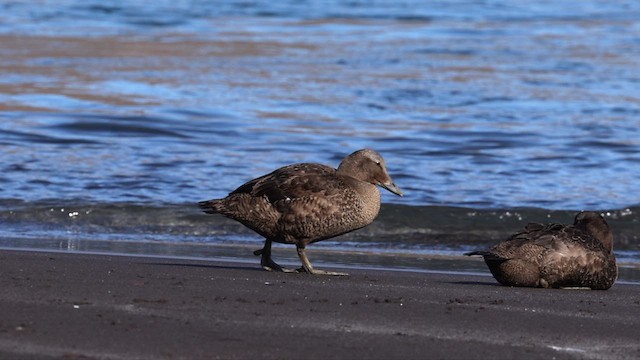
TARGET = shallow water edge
(322,255)
(402,237)
(629,273)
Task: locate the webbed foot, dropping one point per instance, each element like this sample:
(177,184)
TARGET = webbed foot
(267,262)
(308,268)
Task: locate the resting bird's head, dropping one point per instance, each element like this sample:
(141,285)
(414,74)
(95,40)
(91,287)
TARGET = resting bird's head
(595,225)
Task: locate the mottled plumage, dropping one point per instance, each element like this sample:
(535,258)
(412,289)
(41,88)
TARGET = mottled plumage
(304,203)
(556,255)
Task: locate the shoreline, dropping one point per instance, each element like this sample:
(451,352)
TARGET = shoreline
(73,305)
(359,259)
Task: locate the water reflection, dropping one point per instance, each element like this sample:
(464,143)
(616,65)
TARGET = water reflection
(629,273)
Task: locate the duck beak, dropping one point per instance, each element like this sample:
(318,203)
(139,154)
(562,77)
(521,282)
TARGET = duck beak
(391,186)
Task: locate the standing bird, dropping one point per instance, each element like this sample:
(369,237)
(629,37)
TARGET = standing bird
(556,255)
(304,203)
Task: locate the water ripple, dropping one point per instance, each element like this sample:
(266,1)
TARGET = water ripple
(472,104)
(111,129)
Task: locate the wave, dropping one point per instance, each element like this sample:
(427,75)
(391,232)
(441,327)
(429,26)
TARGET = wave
(413,238)
(398,227)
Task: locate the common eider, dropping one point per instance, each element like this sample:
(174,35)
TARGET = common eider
(556,255)
(304,203)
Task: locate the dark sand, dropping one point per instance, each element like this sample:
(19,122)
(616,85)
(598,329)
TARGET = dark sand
(60,305)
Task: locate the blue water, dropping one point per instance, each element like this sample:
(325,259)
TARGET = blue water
(489,107)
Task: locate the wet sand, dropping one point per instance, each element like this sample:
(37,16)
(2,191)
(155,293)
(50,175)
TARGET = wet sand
(77,306)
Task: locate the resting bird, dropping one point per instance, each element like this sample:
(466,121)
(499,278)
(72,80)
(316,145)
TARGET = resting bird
(556,255)
(304,203)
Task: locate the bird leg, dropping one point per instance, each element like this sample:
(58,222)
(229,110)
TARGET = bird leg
(308,268)
(266,261)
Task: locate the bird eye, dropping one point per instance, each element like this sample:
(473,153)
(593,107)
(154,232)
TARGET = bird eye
(378,163)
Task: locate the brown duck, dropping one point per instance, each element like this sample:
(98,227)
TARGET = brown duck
(556,255)
(304,203)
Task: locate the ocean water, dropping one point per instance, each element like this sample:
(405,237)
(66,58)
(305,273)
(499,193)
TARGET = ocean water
(115,119)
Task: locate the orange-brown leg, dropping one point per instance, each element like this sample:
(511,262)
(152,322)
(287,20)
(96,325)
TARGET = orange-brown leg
(308,268)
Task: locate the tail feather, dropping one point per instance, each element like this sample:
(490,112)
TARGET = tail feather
(482,253)
(488,255)
(211,206)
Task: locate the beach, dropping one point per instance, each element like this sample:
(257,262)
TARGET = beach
(117,118)
(86,306)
